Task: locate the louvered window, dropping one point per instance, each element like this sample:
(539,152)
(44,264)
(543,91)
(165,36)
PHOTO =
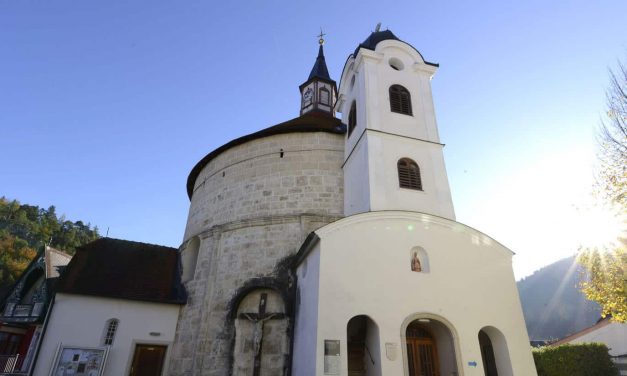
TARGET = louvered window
(409,174)
(352,118)
(400,100)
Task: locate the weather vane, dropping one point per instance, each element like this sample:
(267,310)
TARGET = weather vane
(321,36)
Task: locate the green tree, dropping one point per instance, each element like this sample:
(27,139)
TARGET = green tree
(26,228)
(15,255)
(606,268)
(606,280)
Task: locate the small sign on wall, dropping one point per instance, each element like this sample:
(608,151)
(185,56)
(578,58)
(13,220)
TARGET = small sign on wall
(390,350)
(332,360)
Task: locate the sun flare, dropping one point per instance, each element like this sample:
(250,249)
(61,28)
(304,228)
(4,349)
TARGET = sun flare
(601,227)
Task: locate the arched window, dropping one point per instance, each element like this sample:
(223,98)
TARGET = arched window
(189,258)
(409,174)
(325,96)
(352,118)
(400,100)
(110,328)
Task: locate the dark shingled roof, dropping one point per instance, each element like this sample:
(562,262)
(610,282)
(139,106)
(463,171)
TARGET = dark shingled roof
(379,36)
(319,69)
(310,122)
(124,269)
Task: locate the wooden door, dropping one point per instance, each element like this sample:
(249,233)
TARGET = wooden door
(148,360)
(422,355)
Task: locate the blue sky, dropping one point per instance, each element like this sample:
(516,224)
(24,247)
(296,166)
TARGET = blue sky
(106,106)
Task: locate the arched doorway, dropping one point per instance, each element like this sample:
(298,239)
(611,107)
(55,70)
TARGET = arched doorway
(494,352)
(487,355)
(430,348)
(363,350)
(422,352)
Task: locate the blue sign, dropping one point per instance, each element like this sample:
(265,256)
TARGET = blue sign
(472,364)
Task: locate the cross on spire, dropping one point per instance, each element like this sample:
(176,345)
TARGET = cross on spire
(321,37)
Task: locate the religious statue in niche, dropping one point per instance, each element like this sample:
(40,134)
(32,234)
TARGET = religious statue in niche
(415,262)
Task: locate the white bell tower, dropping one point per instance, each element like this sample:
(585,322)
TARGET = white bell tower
(393,155)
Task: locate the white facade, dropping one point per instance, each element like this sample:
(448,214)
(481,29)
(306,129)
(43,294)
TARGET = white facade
(80,320)
(398,287)
(613,334)
(361,266)
(381,137)
(395,274)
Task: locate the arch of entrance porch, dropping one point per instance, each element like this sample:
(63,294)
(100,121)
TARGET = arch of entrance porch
(501,351)
(443,323)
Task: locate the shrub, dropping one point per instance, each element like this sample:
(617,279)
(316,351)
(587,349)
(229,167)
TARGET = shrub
(585,359)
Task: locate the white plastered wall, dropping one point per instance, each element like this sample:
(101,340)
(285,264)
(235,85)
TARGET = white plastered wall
(381,137)
(614,335)
(305,339)
(385,193)
(79,320)
(357,180)
(365,270)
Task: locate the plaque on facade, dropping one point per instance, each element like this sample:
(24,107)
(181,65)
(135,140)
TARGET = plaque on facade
(332,361)
(390,350)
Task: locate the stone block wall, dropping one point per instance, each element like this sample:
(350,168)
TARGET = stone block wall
(282,174)
(252,207)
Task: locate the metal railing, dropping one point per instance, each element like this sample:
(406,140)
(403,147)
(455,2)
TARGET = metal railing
(8,363)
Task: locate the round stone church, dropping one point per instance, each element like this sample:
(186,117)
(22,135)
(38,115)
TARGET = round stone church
(328,245)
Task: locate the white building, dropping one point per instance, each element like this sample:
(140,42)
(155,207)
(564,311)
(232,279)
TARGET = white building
(114,312)
(327,247)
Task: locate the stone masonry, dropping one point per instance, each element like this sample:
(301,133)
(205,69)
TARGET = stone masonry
(252,206)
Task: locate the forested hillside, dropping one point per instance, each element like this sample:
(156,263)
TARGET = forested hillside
(552,303)
(25,229)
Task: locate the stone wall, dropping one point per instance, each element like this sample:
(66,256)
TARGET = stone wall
(252,207)
(282,174)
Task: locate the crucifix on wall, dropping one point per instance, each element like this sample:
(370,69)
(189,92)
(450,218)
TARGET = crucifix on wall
(258,319)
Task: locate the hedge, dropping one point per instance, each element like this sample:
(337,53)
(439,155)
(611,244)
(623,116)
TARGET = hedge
(585,359)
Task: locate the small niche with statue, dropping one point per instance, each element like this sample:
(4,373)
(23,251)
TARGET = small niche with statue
(419,260)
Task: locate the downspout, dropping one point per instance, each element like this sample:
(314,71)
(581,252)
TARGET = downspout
(41,336)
